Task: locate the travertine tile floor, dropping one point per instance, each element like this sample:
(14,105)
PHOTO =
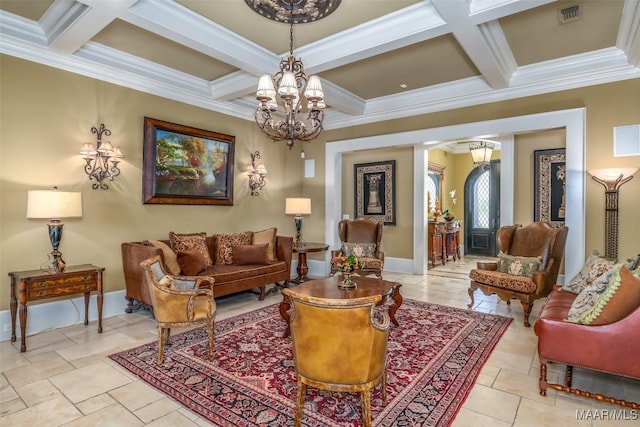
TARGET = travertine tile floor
(65,379)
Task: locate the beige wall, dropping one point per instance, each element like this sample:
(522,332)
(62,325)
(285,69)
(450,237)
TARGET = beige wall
(394,240)
(47,113)
(607,105)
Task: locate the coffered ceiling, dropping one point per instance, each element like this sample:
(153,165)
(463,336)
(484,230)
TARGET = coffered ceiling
(378,59)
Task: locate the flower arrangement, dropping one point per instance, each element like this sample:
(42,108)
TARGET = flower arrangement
(448,214)
(346,264)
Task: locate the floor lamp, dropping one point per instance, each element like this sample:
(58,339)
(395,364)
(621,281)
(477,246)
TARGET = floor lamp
(611,179)
(54,205)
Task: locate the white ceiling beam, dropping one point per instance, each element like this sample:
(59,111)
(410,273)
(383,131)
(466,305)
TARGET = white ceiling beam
(629,32)
(486,45)
(181,25)
(69,24)
(489,10)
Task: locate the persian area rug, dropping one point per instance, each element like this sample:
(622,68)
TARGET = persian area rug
(434,358)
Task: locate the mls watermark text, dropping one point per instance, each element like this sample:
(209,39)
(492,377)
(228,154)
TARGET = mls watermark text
(608,414)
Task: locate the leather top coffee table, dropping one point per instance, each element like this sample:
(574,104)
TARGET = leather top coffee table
(328,288)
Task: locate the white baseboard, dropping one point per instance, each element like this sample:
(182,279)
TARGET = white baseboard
(58,314)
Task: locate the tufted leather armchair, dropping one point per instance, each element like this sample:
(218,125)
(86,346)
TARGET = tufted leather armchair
(338,345)
(177,302)
(362,230)
(536,239)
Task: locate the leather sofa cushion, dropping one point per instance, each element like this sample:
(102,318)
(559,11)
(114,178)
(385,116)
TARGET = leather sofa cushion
(191,262)
(226,273)
(250,254)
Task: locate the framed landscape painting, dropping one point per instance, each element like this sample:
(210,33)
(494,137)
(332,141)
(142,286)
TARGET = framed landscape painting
(375,191)
(549,186)
(186,166)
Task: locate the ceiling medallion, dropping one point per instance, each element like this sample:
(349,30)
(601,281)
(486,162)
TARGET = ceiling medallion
(293,11)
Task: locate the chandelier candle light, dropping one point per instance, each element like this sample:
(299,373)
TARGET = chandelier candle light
(102,159)
(289,80)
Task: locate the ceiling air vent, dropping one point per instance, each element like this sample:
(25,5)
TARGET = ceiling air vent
(569,14)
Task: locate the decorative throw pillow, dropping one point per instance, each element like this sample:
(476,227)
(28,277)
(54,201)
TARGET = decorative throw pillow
(170,259)
(361,250)
(191,262)
(518,265)
(611,297)
(187,242)
(266,236)
(250,254)
(594,267)
(224,254)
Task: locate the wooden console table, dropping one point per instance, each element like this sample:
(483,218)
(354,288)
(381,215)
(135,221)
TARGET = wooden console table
(35,285)
(443,241)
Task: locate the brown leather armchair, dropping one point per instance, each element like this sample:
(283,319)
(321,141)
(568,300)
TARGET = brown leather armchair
(338,345)
(178,302)
(538,239)
(367,232)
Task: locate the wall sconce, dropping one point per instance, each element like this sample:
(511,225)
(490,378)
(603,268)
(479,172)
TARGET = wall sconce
(298,207)
(256,175)
(481,154)
(54,205)
(611,179)
(102,159)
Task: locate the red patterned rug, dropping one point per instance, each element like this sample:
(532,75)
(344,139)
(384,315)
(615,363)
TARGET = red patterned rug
(435,357)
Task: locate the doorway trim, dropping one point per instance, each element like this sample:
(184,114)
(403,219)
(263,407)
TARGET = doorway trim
(572,120)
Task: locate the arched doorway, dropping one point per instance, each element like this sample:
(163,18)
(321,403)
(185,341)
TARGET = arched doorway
(482,210)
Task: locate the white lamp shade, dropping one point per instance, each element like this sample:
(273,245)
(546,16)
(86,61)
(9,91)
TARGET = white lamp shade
(297,206)
(118,153)
(314,88)
(106,148)
(88,149)
(265,87)
(288,85)
(611,174)
(54,204)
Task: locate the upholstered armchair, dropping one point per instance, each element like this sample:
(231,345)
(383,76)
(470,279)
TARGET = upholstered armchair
(361,237)
(527,266)
(178,302)
(338,345)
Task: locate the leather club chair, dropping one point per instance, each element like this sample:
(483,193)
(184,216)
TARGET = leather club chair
(338,345)
(536,239)
(366,231)
(178,302)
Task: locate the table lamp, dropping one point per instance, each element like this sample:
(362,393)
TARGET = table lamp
(54,205)
(298,207)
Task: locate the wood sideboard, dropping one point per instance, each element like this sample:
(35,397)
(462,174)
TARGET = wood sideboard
(443,241)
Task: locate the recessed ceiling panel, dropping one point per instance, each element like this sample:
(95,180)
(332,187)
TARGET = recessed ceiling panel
(136,41)
(439,60)
(274,36)
(30,9)
(537,35)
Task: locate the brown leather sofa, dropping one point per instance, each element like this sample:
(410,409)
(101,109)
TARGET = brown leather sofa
(228,279)
(612,348)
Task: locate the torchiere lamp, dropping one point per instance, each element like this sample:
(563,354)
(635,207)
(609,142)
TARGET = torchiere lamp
(54,205)
(298,207)
(611,179)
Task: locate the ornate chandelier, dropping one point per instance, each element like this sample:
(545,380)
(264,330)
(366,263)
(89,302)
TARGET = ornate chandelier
(297,91)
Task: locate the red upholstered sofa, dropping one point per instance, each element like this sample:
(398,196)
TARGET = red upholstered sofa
(612,348)
(227,278)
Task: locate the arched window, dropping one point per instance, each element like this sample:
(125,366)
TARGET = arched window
(481,201)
